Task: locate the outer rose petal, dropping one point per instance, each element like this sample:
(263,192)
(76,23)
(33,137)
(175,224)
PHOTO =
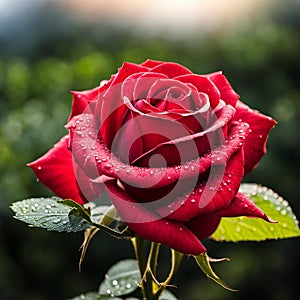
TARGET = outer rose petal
(81,101)
(56,170)
(241,205)
(260,125)
(150,63)
(149,226)
(214,195)
(227,92)
(204,226)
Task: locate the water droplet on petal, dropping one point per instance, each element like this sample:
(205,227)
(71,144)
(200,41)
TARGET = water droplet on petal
(39,168)
(245,206)
(193,200)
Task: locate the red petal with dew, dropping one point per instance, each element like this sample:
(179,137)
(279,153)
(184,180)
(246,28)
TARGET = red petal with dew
(215,194)
(55,169)
(260,125)
(241,205)
(149,226)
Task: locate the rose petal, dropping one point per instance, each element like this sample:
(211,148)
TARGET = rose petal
(81,100)
(215,194)
(159,177)
(112,109)
(150,63)
(204,226)
(203,84)
(227,92)
(260,125)
(171,69)
(151,227)
(195,144)
(241,205)
(55,169)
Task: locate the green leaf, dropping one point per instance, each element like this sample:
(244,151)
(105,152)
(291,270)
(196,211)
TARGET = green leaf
(203,262)
(167,295)
(254,229)
(121,279)
(48,213)
(94,296)
(98,212)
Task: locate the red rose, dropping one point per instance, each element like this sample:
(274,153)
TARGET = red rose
(171,148)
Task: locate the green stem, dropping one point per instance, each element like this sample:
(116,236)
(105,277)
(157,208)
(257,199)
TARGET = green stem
(147,282)
(151,288)
(153,256)
(138,245)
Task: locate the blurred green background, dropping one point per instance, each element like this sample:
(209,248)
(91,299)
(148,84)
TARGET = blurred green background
(47,50)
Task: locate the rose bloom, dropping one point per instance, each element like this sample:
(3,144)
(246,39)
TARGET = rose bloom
(170,148)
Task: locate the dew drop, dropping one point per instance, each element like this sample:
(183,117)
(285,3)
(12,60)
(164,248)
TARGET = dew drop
(46,211)
(238,229)
(260,136)
(108,291)
(180,228)
(151,172)
(128,171)
(193,200)
(128,285)
(56,221)
(39,168)
(245,206)
(285,203)
(283,212)
(114,282)
(169,177)
(186,167)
